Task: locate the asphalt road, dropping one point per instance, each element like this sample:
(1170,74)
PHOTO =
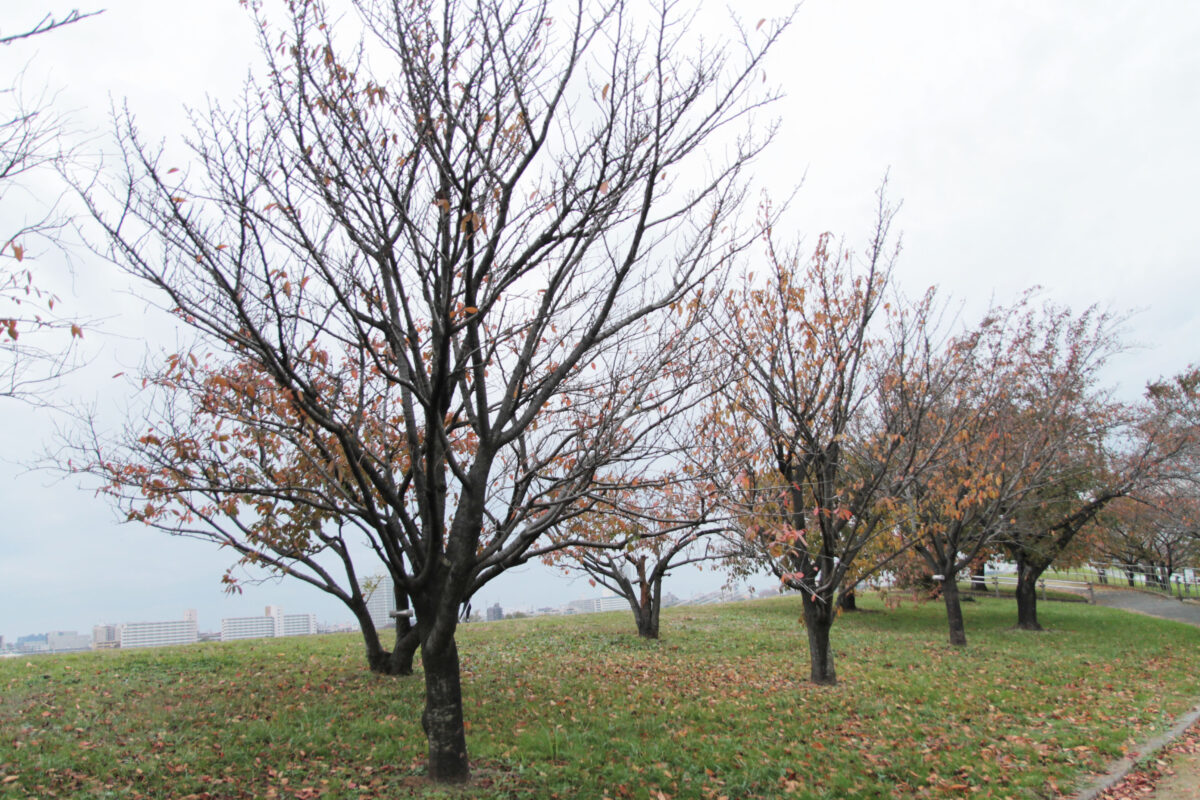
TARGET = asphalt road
(1145,603)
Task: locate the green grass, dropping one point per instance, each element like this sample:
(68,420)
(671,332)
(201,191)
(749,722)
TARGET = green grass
(579,707)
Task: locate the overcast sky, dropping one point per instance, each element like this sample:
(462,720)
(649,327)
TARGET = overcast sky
(1049,143)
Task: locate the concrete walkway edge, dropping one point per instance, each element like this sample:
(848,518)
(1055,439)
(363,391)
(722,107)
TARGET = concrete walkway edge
(1123,767)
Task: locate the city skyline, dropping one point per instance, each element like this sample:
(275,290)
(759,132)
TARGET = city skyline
(274,623)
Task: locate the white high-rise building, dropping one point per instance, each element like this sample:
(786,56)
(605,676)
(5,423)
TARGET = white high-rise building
(264,627)
(271,624)
(160,634)
(381,602)
(591,605)
(299,625)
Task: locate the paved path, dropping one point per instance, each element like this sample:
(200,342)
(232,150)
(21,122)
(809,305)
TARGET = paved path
(1151,604)
(1180,780)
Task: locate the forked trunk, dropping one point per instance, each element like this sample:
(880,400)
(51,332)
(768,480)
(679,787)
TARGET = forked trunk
(954,616)
(443,716)
(648,602)
(818,619)
(647,623)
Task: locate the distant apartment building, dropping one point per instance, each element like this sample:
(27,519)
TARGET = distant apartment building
(592,605)
(67,641)
(33,643)
(495,613)
(160,634)
(381,601)
(271,624)
(263,627)
(299,624)
(106,637)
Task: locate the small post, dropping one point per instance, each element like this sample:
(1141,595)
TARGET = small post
(996,585)
(1091,594)
(1043,585)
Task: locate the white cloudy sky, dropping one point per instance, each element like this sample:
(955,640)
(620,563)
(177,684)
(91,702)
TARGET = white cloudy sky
(1049,143)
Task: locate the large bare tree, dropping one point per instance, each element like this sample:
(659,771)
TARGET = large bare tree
(461,248)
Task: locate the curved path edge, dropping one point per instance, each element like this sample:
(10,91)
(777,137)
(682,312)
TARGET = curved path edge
(1163,609)
(1123,767)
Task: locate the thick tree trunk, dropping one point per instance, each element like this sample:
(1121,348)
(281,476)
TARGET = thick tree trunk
(954,615)
(443,716)
(818,619)
(647,623)
(645,598)
(847,601)
(1027,578)
(647,605)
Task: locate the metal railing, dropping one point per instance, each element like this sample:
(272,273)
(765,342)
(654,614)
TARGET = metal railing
(1182,582)
(1074,587)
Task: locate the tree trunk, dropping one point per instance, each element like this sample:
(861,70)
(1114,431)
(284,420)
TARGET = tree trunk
(378,659)
(847,601)
(648,603)
(396,662)
(401,660)
(647,623)
(442,719)
(958,631)
(407,639)
(818,619)
(978,584)
(1027,577)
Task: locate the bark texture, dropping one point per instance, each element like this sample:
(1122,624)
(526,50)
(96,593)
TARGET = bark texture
(1027,578)
(954,615)
(442,719)
(818,619)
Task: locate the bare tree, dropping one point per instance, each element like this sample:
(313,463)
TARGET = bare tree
(48,23)
(461,250)
(820,418)
(36,340)
(653,530)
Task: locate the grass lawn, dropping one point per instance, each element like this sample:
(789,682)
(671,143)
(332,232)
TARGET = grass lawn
(579,707)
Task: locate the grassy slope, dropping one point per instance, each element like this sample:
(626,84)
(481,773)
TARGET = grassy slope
(578,707)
